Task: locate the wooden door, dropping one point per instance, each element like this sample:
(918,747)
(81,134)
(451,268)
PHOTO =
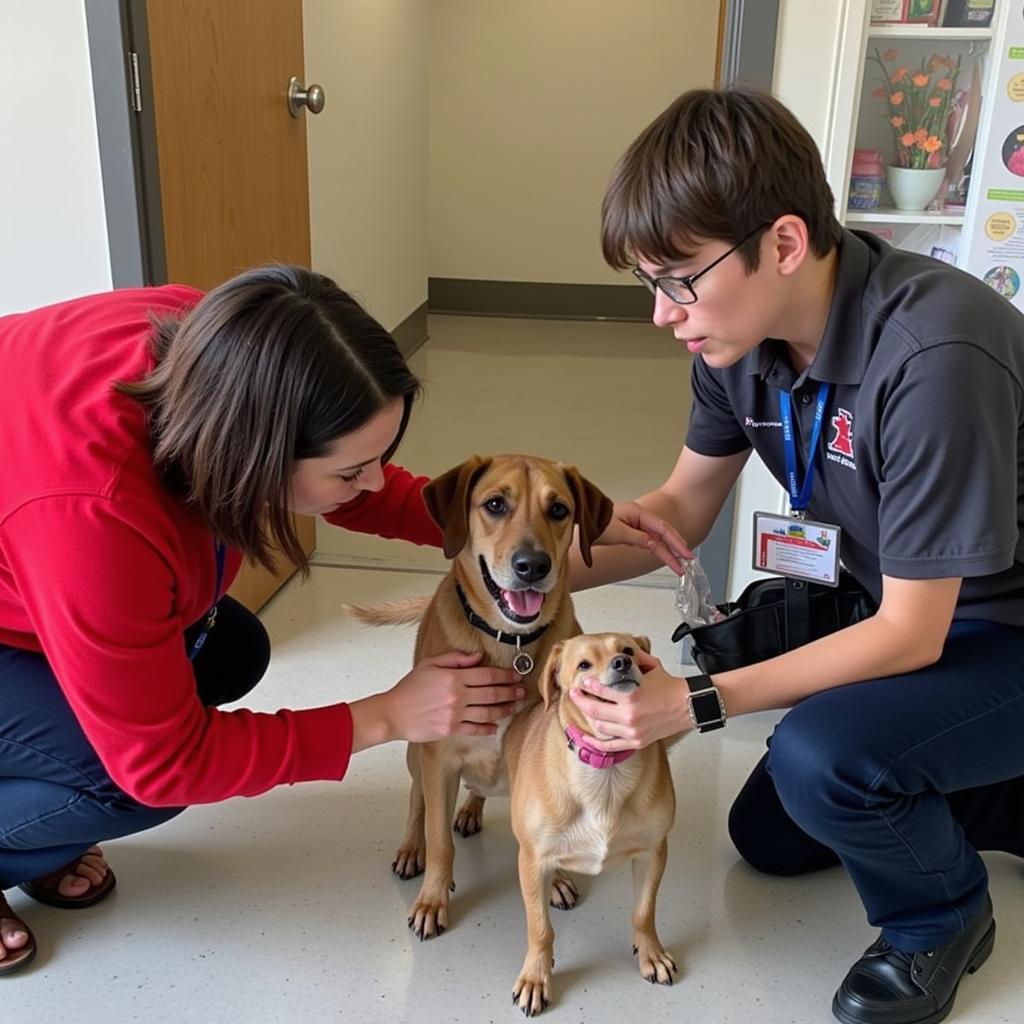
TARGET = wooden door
(234,185)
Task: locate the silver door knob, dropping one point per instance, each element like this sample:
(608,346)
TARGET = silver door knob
(298,97)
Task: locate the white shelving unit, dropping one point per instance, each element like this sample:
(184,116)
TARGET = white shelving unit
(856,118)
(890,215)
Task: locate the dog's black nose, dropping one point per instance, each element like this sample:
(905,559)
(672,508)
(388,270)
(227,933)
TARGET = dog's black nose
(531,566)
(622,663)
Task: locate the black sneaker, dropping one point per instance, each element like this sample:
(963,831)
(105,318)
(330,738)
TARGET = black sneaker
(888,986)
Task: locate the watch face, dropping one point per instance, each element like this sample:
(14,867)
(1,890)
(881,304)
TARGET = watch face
(706,707)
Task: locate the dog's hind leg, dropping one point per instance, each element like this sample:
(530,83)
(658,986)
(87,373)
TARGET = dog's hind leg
(656,965)
(469,819)
(564,894)
(411,856)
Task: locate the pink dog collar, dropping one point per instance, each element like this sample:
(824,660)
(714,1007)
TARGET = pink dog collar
(591,755)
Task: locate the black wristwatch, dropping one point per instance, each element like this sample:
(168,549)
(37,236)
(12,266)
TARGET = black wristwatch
(705,703)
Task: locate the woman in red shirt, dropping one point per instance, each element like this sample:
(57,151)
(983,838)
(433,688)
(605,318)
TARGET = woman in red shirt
(153,438)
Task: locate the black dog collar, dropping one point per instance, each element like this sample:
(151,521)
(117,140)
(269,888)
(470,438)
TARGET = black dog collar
(522,663)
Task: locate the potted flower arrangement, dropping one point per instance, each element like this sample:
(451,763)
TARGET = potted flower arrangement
(917,107)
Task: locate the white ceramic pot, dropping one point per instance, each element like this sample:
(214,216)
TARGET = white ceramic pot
(913,188)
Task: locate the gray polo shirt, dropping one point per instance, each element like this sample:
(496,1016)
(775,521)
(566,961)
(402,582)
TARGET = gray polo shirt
(921,456)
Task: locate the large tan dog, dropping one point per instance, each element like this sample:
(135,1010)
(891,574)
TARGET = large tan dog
(508,525)
(574,808)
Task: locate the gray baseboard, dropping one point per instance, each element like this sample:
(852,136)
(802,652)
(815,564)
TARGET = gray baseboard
(412,331)
(465,297)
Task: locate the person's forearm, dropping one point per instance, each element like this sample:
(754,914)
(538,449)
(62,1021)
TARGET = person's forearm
(870,649)
(371,722)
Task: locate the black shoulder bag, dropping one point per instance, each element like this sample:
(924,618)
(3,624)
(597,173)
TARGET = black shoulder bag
(773,616)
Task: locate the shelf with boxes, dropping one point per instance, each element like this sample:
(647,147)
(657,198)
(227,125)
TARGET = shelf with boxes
(933,13)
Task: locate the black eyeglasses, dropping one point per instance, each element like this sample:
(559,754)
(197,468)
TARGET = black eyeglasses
(680,289)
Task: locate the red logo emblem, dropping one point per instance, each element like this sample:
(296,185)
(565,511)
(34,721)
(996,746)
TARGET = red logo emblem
(842,441)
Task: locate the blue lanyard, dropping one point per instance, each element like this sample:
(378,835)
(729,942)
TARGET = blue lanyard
(219,551)
(800,496)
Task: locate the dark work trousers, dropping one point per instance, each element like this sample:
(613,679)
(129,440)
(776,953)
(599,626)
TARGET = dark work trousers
(56,798)
(903,780)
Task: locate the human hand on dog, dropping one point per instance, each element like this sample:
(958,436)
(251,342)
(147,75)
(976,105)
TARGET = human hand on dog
(638,527)
(449,694)
(653,711)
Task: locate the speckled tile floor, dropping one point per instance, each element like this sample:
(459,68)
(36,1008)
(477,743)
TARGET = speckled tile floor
(283,908)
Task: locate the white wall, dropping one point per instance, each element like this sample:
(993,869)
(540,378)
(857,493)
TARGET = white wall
(53,233)
(531,104)
(368,150)
(807,53)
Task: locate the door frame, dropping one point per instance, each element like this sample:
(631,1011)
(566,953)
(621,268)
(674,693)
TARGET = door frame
(126,128)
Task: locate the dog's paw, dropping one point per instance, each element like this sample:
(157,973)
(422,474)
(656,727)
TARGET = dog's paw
(564,894)
(656,963)
(532,991)
(469,819)
(409,861)
(428,918)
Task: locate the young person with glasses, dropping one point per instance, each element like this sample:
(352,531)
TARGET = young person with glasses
(152,439)
(885,391)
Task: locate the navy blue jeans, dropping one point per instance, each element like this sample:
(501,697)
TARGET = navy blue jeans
(902,780)
(56,798)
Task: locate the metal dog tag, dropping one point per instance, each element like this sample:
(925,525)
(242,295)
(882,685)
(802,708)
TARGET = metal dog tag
(522,663)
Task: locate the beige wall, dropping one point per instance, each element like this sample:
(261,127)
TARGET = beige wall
(531,103)
(53,229)
(368,149)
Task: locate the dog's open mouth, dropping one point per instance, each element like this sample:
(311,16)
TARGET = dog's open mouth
(517,605)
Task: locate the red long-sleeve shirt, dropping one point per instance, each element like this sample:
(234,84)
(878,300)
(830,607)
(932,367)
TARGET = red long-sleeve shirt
(101,569)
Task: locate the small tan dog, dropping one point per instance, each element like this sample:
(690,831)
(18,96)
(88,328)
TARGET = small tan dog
(508,525)
(575,808)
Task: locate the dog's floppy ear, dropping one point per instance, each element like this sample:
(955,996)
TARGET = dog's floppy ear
(548,681)
(643,642)
(593,510)
(447,501)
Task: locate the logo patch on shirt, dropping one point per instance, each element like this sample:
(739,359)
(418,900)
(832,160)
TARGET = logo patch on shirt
(840,445)
(761,424)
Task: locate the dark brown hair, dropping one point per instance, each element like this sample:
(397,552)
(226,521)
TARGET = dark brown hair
(268,368)
(717,164)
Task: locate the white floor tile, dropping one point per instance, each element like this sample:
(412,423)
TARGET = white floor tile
(283,908)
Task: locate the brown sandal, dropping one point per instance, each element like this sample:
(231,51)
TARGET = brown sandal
(45,889)
(16,958)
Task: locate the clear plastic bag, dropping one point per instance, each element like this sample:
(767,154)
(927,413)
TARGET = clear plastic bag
(693,598)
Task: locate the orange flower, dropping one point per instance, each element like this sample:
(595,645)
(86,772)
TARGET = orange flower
(913,100)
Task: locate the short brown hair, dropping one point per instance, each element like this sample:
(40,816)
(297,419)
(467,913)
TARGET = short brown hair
(268,368)
(717,164)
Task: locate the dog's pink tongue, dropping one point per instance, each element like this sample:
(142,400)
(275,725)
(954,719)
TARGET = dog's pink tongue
(523,602)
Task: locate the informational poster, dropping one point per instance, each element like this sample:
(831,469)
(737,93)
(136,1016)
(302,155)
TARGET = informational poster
(995,248)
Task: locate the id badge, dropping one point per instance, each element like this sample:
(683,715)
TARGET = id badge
(798,548)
